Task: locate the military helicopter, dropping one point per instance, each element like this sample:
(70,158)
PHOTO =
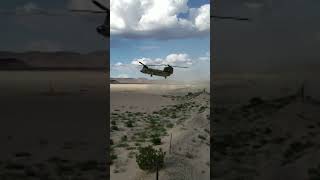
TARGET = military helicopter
(167,71)
(103,29)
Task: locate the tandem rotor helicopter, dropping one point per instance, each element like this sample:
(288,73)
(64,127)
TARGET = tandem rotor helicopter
(103,29)
(167,70)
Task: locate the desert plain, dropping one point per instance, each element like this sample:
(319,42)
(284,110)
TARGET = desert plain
(176,111)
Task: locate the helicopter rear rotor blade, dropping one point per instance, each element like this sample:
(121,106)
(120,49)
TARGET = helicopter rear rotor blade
(32,13)
(143,65)
(88,11)
(98,4)
(156,65)
(229,17)
(179,66)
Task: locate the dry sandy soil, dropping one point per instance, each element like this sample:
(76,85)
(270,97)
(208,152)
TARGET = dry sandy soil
(265,127)
(52,134)
(140,112)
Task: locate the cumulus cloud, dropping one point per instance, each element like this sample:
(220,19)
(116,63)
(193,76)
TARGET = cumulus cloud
(158,19)
(172,59)
(29,7)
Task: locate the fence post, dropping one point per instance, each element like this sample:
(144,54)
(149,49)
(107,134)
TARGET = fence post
(170,143)
(157,173)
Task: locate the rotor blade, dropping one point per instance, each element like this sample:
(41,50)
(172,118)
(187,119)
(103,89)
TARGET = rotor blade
(229,17)
(87,11)
(179,67)
(156,65)
(100,5)
(34,12)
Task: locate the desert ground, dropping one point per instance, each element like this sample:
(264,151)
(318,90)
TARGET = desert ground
(139,112)
(53,125)
(266,126)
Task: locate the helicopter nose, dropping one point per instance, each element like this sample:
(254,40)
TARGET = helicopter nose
(102,30)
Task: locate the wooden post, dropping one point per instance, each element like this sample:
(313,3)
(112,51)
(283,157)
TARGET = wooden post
(157,173)
(170,143)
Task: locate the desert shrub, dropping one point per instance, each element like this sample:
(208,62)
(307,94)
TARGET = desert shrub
(189,155)
(173,116)
(113,157)
(148,158)
(201,137)
(256,101)
(202,109)
(129,124)
(124,138)
(170,125)
(115,128)
(156,140)
(314,173)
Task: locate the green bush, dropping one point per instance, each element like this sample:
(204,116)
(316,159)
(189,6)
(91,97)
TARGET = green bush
(156,141)
(129,124)
(115,128)
(148,158)
(124,138)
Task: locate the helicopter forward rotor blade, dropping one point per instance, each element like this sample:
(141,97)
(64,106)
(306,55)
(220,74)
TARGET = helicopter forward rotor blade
(143,65)
(179,66)
(229,17)
(156,65)
(88,11)
(32,13)
(100,5)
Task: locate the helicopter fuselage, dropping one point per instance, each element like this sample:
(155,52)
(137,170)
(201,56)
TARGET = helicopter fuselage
(157,72)
(103,30)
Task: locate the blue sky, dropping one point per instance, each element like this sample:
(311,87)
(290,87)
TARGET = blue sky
(162,42)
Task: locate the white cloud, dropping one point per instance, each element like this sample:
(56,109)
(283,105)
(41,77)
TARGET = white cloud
(172,59)
(119,64)
(122,76)
(29,7)
(158,19)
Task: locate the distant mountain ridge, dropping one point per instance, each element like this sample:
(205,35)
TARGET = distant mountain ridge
(131,81)
(55,60)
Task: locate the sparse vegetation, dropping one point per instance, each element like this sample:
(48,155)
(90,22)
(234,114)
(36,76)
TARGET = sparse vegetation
(114,128)
(156,141)
(149,158)
(202,137)
(124,138)
(129,123)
